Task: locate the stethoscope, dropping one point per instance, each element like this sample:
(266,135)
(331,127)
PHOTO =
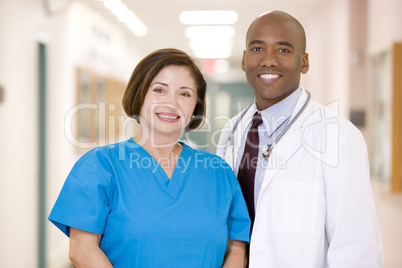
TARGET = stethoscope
(267,150)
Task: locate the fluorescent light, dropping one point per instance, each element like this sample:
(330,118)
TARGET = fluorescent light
(213,42)
(206,17)
(112,4)
(136,26)
(126,16)
(207,41)
(210,32)
(119,10)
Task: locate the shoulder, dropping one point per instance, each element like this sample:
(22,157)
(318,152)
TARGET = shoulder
(102,153)
(209,160)
(324,115)
(234,123)
(203,154)
(100,160)
(324,120)
(215,168)
(246,113)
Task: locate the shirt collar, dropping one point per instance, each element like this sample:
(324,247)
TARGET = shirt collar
(279,113)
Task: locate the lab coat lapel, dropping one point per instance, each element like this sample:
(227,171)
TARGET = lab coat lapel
(287,146)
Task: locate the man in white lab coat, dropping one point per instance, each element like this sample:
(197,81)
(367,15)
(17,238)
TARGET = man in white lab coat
(312,195)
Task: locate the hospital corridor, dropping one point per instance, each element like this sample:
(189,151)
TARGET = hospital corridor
(65,64)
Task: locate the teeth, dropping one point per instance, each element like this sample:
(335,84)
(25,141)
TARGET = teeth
(269,76)
(168,116)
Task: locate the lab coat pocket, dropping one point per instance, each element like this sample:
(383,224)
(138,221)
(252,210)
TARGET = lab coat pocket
(297,207)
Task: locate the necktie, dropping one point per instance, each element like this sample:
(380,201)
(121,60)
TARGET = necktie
(248,165)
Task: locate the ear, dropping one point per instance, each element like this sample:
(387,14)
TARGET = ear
(243,61)
(306,64)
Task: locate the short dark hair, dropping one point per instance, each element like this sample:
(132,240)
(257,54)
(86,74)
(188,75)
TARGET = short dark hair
(145,72)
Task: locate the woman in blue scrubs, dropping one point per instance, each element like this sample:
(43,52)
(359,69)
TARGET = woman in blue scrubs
(152,201)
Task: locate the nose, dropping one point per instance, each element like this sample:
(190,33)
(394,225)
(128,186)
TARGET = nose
(269,59)
(172,99)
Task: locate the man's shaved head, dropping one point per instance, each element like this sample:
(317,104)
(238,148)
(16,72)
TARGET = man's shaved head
(280,17)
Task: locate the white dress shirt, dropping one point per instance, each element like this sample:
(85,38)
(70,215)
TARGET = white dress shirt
(274,118)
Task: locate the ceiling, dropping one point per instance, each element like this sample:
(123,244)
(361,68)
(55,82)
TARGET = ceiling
(165,29)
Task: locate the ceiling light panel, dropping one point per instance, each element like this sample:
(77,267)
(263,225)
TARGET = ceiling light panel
(208,17)
(126,16)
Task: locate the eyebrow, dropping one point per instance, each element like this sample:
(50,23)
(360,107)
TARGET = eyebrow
(255,42)
(285,43)
(166,85)
(282,43)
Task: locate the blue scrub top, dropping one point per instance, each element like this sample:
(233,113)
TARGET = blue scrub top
(147,219)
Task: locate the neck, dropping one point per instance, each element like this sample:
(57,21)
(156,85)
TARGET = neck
(166,154)
(263,104)
(158,144)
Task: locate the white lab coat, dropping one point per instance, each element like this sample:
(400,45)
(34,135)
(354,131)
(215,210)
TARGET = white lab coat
(315,208)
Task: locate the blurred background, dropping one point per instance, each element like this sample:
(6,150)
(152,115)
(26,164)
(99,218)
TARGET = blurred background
(65,63)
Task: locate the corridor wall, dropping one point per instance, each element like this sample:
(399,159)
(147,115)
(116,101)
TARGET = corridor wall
(75,37)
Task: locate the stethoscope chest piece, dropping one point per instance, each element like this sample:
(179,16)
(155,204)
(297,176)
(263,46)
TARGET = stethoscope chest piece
(266,151)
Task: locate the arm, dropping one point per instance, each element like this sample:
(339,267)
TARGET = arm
(85,250)
(235,254)
(351,223)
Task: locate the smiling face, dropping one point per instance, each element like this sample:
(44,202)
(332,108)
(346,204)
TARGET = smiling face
(274,57)
(169,102)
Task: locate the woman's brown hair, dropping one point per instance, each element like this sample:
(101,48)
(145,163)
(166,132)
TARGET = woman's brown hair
(145,72)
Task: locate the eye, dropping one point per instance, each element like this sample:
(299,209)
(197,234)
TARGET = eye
(185,94)
(283,50)
(158,90)
(257,49)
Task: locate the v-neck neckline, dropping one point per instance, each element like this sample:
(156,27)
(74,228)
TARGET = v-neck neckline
(173,185)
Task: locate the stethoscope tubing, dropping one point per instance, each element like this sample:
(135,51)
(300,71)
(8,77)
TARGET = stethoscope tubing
(231,134)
